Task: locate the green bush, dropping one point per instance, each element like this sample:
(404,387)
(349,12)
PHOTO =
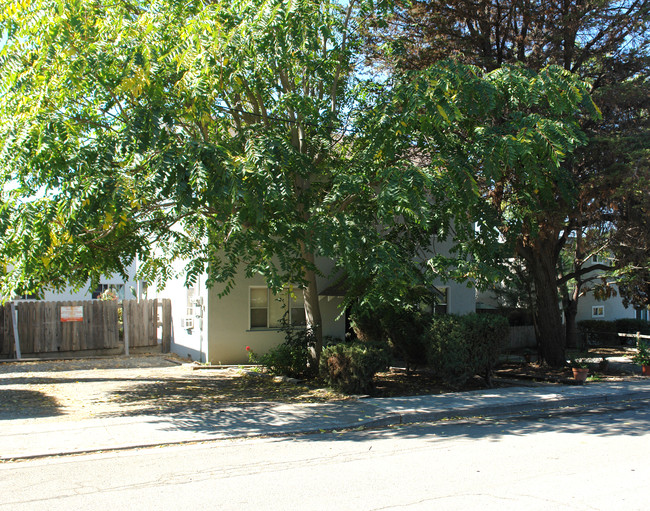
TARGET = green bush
(461,346)
(293,357)
(402,326)
(351,368)
(366,324)
(606,332)
(406,332)
(632,326)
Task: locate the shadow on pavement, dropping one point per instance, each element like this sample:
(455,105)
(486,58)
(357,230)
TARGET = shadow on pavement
(26,404)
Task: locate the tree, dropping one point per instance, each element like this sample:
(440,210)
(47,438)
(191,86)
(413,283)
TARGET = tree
(603,41)
(215,133)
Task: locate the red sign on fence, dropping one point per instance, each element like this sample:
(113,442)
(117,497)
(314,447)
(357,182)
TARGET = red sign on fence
(72,313)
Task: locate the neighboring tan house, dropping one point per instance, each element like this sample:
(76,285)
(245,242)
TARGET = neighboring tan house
(589,307)
(610,309)
(218,330)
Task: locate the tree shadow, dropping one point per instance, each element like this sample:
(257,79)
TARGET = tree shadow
(221,414)
(629,419)
(27,404)
(207,394)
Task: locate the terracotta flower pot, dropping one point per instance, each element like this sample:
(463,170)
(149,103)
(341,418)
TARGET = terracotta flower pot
(645,370)
(580,373)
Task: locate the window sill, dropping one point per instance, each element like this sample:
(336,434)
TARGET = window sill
(278,329)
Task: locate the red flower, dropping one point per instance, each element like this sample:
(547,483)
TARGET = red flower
(248,348)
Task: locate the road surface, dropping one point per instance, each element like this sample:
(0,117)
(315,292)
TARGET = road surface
(595,459)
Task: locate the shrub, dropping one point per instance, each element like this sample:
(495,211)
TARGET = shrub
(293,357)
(632,326)
(606,332)
(367,325)
(462,346)
(599,331)
(351,368)
(406,331)
(402,326)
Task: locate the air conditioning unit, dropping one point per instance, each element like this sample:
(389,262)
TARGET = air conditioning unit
(188,323)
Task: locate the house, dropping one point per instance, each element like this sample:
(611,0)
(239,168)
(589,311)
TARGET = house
(609,309)
(128,289)
(217,330)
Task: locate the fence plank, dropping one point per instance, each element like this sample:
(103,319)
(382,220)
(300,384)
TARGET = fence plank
(522,337)
(4,351)
(41,330)
(166,325)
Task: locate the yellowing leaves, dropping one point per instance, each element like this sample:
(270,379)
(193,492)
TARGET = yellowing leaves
(135,83)
(442,112)
(108,221)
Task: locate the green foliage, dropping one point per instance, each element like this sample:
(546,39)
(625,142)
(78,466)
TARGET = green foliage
(632,326)
(236,136)
(599,331)
(578,363)
(463,346)
(401,325)
(352,367)
(605,332)
(293,357)
(642,355)
(480,136)
(170,130)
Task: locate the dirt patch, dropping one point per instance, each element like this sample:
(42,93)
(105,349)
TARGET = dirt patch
(152,385)
(94,388)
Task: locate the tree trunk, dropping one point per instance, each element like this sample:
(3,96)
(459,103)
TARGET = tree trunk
(570,313)
(541,258)
(312,306)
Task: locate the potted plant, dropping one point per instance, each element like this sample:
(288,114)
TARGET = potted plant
(642,357)
(580,369)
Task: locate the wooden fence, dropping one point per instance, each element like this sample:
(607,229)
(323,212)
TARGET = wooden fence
(55,327)
(522,337)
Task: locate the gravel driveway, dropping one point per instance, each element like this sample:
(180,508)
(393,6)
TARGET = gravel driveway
(121,386)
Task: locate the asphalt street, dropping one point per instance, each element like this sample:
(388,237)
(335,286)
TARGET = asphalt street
(586,458)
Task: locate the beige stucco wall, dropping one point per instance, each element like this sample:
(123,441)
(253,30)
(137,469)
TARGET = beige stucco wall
(462,299)
(229,328)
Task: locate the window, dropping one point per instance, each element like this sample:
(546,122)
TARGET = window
(441,297)
(642,314)
(118,288)
(598,311)
(442,301)
(268,310)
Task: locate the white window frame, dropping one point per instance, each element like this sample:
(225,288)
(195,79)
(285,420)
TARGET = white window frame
(445,291)
(298,321)
(598,311)
(120,289)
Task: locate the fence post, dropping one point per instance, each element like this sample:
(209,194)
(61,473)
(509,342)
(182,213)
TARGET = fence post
(14,318)
(125,325)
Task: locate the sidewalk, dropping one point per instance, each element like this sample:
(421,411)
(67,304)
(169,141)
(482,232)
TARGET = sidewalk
(26,438)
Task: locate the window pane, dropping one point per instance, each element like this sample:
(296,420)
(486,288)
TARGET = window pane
(297,298)
(298,316)
(258,318)
(259,297)
(278,309)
